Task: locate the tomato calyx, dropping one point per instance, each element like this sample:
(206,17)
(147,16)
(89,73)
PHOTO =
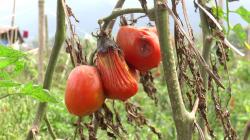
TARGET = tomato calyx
(104,43)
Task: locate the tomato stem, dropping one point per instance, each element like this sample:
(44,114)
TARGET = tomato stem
(59,39)
(183,119)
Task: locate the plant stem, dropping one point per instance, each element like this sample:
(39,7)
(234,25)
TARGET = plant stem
(246,131)
(183,119)
(59,39)
(6,95)
(110,25)
(52,133)
(119,12)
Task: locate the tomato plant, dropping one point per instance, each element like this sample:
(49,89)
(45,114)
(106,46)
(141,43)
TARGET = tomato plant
(84,93)
(140,46)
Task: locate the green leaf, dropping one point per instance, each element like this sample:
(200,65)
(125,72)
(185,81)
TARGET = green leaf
(38,93)
(240,32)
(9,52)
(219,10)
(6,62)
(9,56)
(4,75)
(244,13)
(19,67)
(8,83)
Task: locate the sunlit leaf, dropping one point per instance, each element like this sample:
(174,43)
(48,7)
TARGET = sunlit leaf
(244,13)
(6,62)
(9,52)
(240,32)
(9,56)
(19,67)
(4,75)
(38,93)
(8,83)
(247,45)
(218,11)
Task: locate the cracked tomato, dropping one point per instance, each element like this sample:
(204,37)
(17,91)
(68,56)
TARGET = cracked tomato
(140,46)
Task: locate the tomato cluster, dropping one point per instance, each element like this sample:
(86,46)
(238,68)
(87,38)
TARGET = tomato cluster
(115,75)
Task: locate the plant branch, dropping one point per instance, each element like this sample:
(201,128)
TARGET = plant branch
(209,15)
(116,13)
(182,118)
(247,131)
(109,25)
(52,133)
(202,137)
(59,39)
(6,95)
(195,107)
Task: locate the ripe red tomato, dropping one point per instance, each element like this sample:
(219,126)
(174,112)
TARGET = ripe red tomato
(84,92)
(140,46)
(150,29)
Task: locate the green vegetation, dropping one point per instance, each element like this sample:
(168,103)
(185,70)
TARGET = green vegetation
(17,111)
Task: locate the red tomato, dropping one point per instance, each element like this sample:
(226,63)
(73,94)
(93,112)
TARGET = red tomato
(84,92)
(150,29)
(140,46)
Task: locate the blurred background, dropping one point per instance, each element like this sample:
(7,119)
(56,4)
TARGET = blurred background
(87,12)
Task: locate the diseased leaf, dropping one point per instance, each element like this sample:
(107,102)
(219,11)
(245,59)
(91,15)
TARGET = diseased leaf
(244,13)
(38,93)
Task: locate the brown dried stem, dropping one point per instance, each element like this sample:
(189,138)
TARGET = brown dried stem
(207,44)
(197,53)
